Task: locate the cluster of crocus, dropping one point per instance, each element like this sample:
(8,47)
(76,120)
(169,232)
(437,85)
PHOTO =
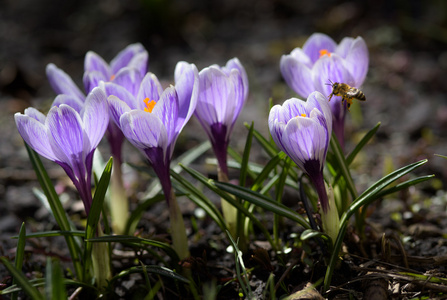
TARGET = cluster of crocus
(320,61)
(152,122)
(127,70)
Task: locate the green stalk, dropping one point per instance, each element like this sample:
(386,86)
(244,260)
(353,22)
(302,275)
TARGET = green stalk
(178,231)
(119,205)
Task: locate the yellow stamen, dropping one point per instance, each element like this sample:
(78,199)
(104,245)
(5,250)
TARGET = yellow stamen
(303,115)
(149,105)
(324,52)
(112,77)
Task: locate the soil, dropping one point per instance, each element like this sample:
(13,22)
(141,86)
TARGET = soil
(406,92)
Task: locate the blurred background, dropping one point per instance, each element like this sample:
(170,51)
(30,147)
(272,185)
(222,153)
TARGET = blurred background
(405,87)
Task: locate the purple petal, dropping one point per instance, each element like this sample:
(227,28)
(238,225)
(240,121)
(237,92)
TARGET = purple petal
(67,137)
(70,100)
(328,69)
(117,108)
(301,57)
(297,75)
(166,110)
(140,62)
(35,114)
(150,88)
(239,95)
(95,116)
(317,42)
(92,79)
(236,64)
(344,47)
(94,62)
(216,97)
(62,83)
(187,87)
(34,133)
(130,79)
(113,89)
(317,100)
(305,139)
(144,130)
(357,61)
(125,56)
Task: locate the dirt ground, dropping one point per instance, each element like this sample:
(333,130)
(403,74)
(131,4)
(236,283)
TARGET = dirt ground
(405,88)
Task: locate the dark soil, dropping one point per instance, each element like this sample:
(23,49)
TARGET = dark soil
(406,92)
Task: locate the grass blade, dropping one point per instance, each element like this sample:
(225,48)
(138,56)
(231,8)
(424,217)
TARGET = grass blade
(133,240)
(364,199)
(22,281)
(20,252)
(95,212)
(54,286)
(262,201)
(56,208)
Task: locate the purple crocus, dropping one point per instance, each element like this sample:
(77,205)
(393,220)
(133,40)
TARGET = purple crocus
(223,92)
(68,137)
(320,61)
(303,131)
(153,119)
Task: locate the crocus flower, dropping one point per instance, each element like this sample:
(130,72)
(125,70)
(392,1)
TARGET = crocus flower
(96,69)
(303,131)
(320,61)
(153,119)
(223,91)
(68,137)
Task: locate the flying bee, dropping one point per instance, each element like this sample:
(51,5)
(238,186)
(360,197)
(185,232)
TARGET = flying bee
(346,92)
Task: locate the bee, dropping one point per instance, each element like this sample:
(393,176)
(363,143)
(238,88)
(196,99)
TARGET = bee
(346,92)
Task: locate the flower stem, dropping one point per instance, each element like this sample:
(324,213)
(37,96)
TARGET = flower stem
(229,211)
(101,261)
(119,205)
(178,231)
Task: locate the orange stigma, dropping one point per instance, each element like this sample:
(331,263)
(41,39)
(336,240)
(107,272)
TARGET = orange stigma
(113,76)
(324,52)
(149,105)
(303,115)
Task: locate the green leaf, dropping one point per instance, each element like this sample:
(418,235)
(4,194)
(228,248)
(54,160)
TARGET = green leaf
(211,185)
(366,138)
(266,145)
(54,287)
(20,251)
(199,199)
(262,201)
(365,198)
(22,281)
(159,270)
(273,163)
(343,165)
(240,264)
(53,233)
(56,208)
(95,212)
(133,240)
(403,185)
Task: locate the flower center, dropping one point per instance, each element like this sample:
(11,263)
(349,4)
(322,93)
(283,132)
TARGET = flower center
(324,52)
(149,105)
(113,76)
